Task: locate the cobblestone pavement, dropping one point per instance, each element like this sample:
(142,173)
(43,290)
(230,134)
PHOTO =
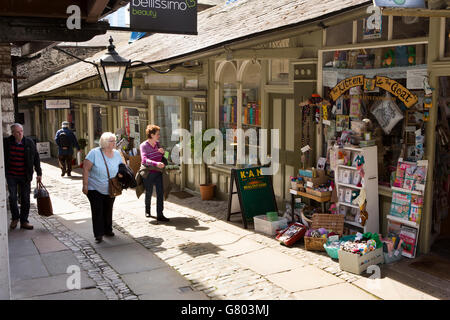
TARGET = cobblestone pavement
(107,280)
(217,275)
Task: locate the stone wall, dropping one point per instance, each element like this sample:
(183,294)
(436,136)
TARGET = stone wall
(7,104)
(6,119)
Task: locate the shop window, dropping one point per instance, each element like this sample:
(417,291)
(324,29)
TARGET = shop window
(447,37)
(251,101)
(340,34)
(132,125)
(279,71)
(165,107)
(228,101)
(410,27)
(365,35)
(100,123)
(393,127)
(376,58)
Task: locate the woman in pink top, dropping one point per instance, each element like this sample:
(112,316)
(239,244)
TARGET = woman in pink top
(152,153)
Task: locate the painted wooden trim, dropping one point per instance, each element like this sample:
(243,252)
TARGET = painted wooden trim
(378,44)
(177,93)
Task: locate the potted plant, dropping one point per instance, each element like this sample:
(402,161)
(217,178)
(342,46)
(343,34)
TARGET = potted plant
(206,189)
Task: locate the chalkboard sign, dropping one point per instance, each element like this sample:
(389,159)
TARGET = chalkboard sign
(251,192)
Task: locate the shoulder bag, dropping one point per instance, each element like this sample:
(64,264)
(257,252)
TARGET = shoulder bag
(115,187)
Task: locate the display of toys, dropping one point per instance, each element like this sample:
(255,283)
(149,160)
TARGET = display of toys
(292,234)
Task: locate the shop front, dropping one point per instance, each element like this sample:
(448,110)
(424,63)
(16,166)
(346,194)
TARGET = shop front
(381,125)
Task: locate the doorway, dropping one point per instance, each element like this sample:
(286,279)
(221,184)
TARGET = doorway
(282,116)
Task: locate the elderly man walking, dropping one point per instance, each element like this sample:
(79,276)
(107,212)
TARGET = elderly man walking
(66,140)
(20,157)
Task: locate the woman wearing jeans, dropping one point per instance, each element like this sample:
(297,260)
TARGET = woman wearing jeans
(96,184)
(152,153)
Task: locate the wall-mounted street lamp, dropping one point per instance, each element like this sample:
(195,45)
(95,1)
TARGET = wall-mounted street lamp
(112,68)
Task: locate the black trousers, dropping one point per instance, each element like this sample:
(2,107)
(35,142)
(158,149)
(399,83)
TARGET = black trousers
(101,209)
(154,178)
(23,188)
(65,163)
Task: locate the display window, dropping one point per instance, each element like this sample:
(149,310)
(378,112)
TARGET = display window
(370,93)
(228,103)
(166,106)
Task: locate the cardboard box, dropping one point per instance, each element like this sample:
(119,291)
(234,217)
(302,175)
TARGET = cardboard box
(263,225)
(357,264)
(318,193)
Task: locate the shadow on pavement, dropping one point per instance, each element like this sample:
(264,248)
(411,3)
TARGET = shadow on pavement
(183,223)
(199,249)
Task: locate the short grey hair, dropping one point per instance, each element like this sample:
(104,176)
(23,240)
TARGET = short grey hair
(15,125)
(104,139)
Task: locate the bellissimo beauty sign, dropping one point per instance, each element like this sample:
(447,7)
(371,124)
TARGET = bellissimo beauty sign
(164,16)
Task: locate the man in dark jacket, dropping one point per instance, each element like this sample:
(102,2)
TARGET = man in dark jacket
(66,140)
(20,157)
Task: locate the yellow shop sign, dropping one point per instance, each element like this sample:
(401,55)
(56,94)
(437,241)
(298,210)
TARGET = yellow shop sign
(408,98)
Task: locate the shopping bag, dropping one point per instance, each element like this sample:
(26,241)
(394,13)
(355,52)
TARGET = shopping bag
(44,203)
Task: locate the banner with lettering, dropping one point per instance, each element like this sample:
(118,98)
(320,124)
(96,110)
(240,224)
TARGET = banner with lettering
(408,98)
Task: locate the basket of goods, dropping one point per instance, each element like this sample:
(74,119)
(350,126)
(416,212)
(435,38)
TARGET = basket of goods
(323,226)
(292,234)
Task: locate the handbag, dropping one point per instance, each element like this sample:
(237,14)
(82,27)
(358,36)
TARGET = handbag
(44,203)
(115,187)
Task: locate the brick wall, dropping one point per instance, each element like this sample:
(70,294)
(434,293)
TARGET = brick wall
(7,104)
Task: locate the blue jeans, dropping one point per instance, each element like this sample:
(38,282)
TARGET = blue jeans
(19,185)
(154,178)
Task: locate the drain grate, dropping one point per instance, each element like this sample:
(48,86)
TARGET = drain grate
(185,289)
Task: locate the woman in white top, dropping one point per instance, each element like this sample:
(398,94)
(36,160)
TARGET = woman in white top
(96,184)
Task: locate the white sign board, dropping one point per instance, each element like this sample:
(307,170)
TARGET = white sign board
(57,104)
(415,78)
(329,78)
(43,148)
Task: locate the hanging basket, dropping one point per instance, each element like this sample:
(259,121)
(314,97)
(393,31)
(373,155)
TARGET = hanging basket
(207,191)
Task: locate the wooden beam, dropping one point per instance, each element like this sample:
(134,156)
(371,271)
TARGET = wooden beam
(178,93)
(42,8)
(95,9)
(286,53)
(412,12)
(41,29)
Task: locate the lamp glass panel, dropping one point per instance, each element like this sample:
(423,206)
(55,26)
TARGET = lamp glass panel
(115,75)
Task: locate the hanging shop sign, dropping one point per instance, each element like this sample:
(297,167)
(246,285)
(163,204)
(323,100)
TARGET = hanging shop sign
(345,85)
(57,104)
(164,16)
(400,3)
(126,118)
(397,90)
(392,86)
(251,194)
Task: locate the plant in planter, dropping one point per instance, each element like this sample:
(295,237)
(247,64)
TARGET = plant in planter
(206,189)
